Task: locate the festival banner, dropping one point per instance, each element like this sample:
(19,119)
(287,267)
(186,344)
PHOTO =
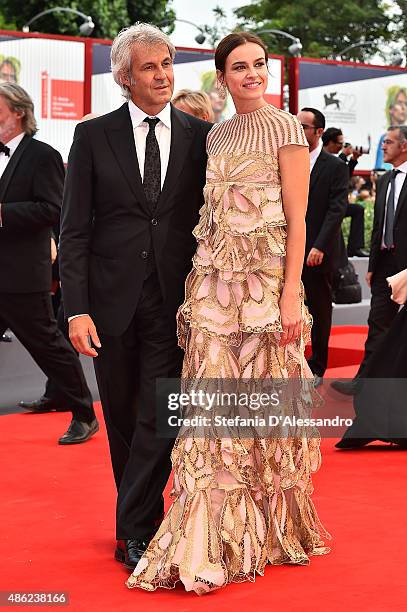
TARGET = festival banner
(360,99)
(52,72)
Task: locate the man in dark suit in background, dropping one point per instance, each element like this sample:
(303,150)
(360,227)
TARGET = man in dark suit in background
(132,197)
(327,201)
(333,142)
(31,184)
(388,248)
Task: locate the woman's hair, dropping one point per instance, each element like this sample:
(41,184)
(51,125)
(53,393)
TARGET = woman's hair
(18,100)
(230,42)
(197,101)
(393,93)
(15,65)
(121,52)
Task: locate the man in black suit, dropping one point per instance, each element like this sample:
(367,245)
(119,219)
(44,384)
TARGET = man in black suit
(333,142)
(31,184)
(388,248)
(133,192)
(327,201)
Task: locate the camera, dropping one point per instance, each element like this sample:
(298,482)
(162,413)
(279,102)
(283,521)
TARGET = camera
(361,150)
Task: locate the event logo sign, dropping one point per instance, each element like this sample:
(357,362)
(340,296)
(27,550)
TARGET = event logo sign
(360,99)
(61,99)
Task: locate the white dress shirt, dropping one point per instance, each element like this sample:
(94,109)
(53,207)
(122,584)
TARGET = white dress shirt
(398,185)
(162,132)
(313,156)
(140,131)
(4,159)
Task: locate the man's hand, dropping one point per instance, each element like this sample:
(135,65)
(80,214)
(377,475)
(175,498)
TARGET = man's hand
(81,329)
(368,278)
(315,257)
(356,154)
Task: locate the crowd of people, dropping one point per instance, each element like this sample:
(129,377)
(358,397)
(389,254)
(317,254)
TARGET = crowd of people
(264,195)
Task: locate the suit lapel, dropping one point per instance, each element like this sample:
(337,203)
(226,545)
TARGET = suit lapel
(381,200)
(181,139)
(121,139)
(12,165)
(316,171)
(401,200)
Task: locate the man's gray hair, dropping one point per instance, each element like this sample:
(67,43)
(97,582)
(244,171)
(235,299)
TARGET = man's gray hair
(403,131)
(120,55)
(18,101)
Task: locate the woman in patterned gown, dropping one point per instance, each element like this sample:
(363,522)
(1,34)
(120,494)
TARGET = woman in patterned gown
(241,503)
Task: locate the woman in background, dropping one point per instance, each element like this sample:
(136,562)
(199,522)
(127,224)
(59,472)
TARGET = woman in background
(196,103)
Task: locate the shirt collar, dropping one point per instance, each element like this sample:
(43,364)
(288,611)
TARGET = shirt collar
(14,142)
(402,167)
(137,115)
(316,152)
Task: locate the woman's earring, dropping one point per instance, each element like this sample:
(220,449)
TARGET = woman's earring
(222,91)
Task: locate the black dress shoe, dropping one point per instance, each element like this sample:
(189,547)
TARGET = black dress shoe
(129,552)
(318,381)
(44,404)
(79,432)
(347,387)
(400,442)
(6,338)
(353,443)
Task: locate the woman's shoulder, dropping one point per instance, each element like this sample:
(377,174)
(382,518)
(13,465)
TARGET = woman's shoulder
(280,115)
(286,126)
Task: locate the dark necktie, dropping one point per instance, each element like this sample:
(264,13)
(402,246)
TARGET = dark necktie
(390,206)
(152,164)
(4,149)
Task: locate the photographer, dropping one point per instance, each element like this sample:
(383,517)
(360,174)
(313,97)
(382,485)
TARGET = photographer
(333,141)
(350,156)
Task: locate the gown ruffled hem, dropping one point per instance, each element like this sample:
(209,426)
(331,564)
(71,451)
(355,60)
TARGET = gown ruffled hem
(206,542)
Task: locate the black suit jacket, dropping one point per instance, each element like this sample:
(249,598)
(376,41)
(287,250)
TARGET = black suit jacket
(31,194)
(327,202)
(351,163)
(400,224)
(107,227)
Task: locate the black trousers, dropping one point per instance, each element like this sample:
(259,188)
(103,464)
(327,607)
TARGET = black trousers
(126,370)
(30,317)
(382,309)
(3,327)
(380,404)
(52,390)
(356,238)
(317,282)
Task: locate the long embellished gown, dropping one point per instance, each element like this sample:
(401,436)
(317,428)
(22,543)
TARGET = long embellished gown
(238,503)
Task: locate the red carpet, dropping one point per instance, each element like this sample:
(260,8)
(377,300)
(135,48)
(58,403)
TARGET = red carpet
(57,518)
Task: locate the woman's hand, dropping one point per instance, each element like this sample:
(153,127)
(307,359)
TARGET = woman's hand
(398,284)
(291,316)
